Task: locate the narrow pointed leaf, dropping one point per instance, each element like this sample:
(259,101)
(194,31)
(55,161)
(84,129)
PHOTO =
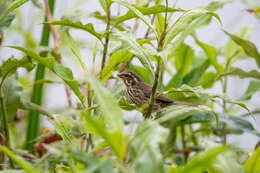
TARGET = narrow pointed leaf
(64,73)
(128,42)
(249,47)
(78,25)
(137,13)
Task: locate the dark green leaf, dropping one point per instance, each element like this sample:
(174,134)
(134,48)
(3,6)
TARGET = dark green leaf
(241,73)
(194,76)
(180,115)
(238,122)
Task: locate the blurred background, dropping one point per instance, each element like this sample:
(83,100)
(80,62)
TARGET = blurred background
(26,30)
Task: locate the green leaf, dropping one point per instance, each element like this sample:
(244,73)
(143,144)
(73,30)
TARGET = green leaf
(184,21)
(115,139)
(93,163)
(12,91)
(145,11)
(57,69)
(200,162)
(215,5)
(175,81)
(137,13)
(238,122)
(211,53)
(15,4)
(125,105)
(180,115)
(27,166)
(145,147)
(231,47)
(115,59)
(63,127)
(249,47)
(159,23)
(194,76)
(78,25)
(104,5)
(207,80)
(129,43)
(253,87)
(241,73)
(183,58)
(189,94)
(227,162)
(11,64)
(111,114)
(252,163)
(144,73)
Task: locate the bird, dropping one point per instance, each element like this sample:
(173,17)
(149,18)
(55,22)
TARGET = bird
(138,92)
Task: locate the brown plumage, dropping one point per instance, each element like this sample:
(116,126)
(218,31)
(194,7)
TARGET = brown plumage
(138,92)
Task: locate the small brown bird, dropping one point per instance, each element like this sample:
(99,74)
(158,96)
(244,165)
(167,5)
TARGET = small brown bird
(138,92)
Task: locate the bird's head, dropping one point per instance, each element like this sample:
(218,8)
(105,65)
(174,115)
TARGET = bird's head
(130,78)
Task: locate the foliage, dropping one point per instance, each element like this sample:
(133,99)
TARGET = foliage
(94,132)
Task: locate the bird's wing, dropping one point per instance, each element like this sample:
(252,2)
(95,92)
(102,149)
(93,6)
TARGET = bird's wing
(160,98)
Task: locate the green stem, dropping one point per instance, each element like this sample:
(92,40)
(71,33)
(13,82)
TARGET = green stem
(106,40)
(34,117)
(158,69)
(186,155)
(5,123)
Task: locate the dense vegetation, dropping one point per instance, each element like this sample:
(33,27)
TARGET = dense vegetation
(96,131)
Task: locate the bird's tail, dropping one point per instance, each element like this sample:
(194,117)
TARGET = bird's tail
(183,103)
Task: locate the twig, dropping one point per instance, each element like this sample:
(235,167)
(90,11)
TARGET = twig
(157,73)
(106,40)
(57,47)
(185,154)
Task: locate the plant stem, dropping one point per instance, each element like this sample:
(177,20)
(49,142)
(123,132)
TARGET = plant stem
(157,72)
(57,47)
(5,123)
(106,39)
(184,143)
(33,118)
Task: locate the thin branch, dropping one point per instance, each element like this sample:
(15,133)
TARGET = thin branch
(57,47)
(106,39)
(158,69)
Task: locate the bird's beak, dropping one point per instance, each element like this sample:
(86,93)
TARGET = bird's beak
(119,75)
